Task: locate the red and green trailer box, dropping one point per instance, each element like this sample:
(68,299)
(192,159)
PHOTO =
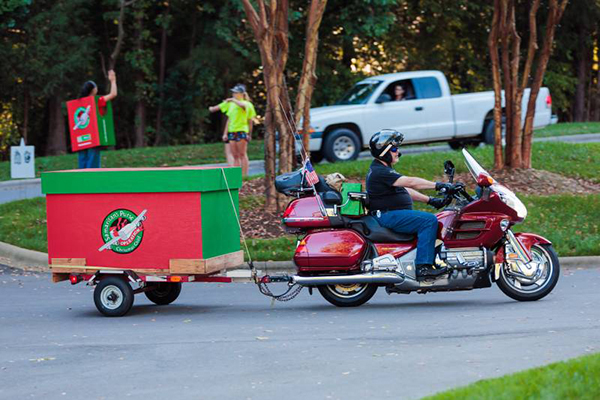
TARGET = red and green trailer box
(89,124)
(152,221)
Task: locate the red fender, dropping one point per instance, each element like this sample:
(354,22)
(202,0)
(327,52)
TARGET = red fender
(527,240)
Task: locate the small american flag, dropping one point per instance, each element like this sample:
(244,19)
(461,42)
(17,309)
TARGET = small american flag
(311,176)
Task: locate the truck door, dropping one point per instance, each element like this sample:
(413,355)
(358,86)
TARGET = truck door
(404,115)
(436,109)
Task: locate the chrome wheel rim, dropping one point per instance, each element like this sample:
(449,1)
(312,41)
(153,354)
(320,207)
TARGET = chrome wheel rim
(111,297)
(541,278)
(344,148)
(347,291)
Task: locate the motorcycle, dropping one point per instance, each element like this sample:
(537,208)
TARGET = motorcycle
(347,258)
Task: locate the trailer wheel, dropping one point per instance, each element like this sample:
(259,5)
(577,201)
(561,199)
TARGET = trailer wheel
(164,293)
(113,296)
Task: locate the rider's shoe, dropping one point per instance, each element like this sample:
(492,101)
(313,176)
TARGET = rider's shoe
(424,270)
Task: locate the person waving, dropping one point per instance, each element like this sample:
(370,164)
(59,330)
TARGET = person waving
(240,113)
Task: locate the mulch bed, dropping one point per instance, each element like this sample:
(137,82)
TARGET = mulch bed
(262,224)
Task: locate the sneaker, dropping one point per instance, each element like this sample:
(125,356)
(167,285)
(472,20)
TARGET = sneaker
(430,270)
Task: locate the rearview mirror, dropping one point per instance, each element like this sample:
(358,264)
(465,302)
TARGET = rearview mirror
(449,170)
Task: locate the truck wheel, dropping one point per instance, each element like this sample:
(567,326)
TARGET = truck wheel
(113,296)
(341,145)
(164,293)
(351,295)
(488,133)
(316,157)
(456,144)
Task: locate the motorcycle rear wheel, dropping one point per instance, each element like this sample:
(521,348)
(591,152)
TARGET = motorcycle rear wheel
(523,291)
(351,295)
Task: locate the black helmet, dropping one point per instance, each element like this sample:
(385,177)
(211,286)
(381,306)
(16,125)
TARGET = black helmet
(381,143)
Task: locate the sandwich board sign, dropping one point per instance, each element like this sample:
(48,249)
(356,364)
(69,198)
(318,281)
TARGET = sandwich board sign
(22,161)
(90,123)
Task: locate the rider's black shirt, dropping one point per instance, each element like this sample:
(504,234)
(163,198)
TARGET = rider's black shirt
(383,195)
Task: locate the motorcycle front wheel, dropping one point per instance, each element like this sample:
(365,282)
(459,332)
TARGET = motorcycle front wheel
(350,295)
(523,289)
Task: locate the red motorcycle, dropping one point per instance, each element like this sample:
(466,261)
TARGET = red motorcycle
(348,258)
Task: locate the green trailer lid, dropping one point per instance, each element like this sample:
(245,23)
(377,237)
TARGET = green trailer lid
(141,180)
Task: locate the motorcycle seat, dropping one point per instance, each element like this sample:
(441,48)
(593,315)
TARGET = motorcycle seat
(370,228)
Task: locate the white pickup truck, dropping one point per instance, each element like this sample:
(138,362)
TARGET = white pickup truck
(428,113)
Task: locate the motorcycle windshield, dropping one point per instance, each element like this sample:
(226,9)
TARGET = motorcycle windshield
(507,195)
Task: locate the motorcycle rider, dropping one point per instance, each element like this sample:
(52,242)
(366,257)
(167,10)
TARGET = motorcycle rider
(391,197)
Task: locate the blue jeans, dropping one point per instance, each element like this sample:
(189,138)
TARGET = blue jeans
(421,223)
(89,158)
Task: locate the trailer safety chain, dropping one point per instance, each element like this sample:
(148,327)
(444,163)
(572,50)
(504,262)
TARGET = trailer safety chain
(292,292)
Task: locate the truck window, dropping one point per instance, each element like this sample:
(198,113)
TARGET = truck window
(406,92)
(359,94)
(427,88)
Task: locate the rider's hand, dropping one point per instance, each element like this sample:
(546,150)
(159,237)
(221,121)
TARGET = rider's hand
(449,188)
(436,202)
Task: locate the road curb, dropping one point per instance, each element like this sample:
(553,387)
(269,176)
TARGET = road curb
(37,261)
(29,259)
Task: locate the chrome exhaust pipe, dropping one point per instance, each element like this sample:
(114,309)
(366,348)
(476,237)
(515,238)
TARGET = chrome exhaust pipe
(377,277)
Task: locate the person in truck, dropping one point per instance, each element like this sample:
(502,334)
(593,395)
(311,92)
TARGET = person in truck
(399,93)
(391,197)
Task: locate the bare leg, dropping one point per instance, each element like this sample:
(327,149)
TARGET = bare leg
(243,154)
(229,155)
(235,148)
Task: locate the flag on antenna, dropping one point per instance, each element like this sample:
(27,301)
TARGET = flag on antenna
(311,176)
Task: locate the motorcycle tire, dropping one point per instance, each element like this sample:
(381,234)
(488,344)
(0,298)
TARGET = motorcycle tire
(352,295)
(522,292)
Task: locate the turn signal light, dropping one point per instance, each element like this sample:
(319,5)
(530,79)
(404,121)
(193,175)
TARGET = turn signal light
(484,180)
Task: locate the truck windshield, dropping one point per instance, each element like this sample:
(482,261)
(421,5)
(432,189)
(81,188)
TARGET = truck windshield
(359,94)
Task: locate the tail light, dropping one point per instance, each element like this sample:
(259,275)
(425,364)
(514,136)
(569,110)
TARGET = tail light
(548,101)
(75,279)
(301,248)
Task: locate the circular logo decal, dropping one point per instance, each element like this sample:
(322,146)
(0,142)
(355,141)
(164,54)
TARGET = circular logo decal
(82,117)
(127,227)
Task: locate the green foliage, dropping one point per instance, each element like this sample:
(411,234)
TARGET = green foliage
(567,129)
(574,379)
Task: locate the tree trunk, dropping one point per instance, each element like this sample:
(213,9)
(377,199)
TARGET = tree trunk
(140,123)
(57,138)
(579,103)
(308,79)
(26,105)
(554,15)
(161,76)
(493,46)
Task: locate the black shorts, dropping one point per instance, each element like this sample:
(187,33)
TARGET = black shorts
(237,136)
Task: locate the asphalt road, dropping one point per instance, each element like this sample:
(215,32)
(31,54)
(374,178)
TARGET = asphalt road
(228,342)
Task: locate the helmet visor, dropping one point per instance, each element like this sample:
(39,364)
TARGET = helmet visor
(388,137)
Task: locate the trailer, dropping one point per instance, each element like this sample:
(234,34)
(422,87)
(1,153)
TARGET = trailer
(142,230)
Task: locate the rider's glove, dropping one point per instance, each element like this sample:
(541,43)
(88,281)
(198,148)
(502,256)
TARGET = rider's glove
(442,187)
(436,202)
(449,188)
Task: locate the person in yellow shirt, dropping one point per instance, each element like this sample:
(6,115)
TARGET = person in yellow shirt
(240,112)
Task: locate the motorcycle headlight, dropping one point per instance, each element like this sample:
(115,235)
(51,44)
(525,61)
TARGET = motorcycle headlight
(511,200)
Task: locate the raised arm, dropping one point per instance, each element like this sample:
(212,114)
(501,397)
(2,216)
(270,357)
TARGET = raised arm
(236,101)
(112,77)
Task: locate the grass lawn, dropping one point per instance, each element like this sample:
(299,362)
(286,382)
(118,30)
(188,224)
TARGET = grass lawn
(572,160)
(570,222)
(171,156)
(568,128)
(574,379)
